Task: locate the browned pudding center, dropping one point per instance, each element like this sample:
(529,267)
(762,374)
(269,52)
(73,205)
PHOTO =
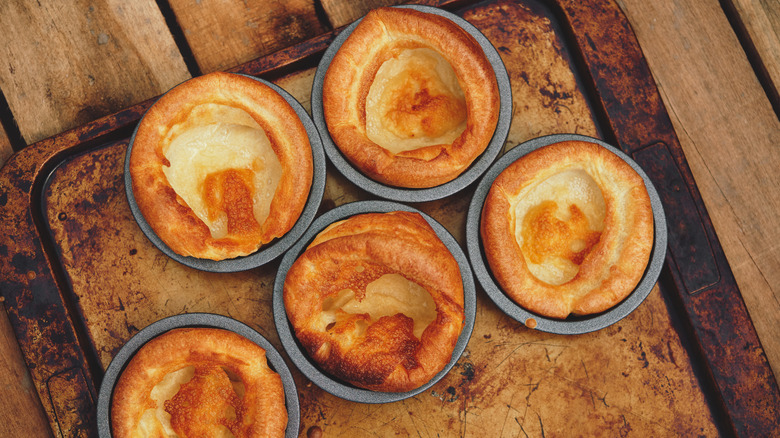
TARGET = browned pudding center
(545,235)
(222,165)
(196,401)
(415,101)
(388,295)
(228,196)
(557,224)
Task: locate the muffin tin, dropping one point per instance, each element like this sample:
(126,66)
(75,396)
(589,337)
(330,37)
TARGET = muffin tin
(267,252)
(471,174)
(299,356)
(127,352)
(573,324)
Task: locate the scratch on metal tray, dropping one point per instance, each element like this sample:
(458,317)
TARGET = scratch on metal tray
(411,417)
(510,409)
(541,425)
(522,429)
(466,411)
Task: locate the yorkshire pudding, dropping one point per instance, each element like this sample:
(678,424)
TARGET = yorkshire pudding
(377,301)
(410,98)
(567,229)
(220,165)
(193,382)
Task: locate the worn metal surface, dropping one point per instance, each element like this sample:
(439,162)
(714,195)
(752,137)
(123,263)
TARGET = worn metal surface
(36,301)
(639,377)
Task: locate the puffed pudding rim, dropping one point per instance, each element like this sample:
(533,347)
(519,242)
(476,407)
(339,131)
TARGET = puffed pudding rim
(573,324)
(269,251)
(354,254)
(470,174)
(201,320)
(298,355)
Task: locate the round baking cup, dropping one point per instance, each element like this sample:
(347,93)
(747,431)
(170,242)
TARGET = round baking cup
(573,324)
(309,367)
(127,352)
(471,174)
(267,252)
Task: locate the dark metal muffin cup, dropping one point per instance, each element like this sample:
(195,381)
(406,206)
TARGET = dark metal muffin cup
(126,353)
(573,324)
(298,355)
(471,174)
(267,252)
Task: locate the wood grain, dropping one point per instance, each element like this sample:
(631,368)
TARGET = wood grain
(730,134)
(68,63)
(761,22)
(223,34)
(341,13)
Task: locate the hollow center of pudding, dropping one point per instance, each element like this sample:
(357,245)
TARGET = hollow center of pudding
(194,401)
(223,167)
(388,295)
(415,101)
(558,222)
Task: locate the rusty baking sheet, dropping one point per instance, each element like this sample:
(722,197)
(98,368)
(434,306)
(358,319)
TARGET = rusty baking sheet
(79,278)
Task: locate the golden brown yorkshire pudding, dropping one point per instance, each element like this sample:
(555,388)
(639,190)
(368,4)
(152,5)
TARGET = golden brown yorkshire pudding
(410,98)
(195,382)
(568,228)
(220,165)
(377,301)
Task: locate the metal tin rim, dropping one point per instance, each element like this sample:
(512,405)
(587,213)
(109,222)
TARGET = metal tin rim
(266,253)
(301,359)
(127,351)
(471,174)
(572,325)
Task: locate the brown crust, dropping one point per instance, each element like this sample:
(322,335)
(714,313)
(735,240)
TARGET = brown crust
(261,412)
(615,264)
(381,35)
(169,216)
(388,357)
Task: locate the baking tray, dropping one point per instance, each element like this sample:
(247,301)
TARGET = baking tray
(79,278)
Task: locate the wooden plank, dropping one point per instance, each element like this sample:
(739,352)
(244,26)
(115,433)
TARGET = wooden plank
(730,134)
(19,395)
(69,63)
(341,13)
(760,22)
(225,33)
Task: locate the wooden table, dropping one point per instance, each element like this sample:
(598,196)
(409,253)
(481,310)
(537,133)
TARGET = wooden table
(716,65)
